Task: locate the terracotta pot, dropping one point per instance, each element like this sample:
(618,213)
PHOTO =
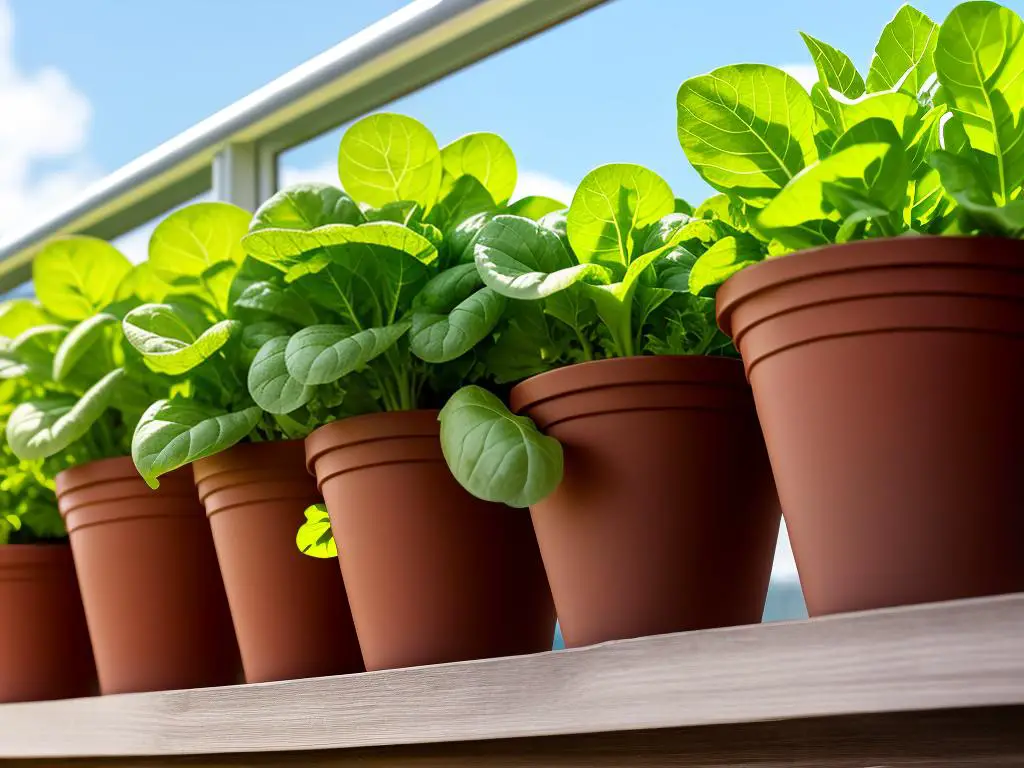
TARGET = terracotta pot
(888,383)
(290,611)
(44,646)
(433,574)
(147,569)
(666,518)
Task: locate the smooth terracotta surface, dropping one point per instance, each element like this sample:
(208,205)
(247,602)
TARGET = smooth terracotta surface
(44,646)
(888,381)
(433,574)
(290,611)
(666,518)
(153,596)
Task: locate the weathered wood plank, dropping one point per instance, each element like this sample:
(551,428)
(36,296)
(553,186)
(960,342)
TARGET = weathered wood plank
(988,738)
(954,655)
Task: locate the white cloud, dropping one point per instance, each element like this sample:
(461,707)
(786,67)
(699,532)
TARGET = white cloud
(326,173)
(537,183)
(805,74)
(45,119)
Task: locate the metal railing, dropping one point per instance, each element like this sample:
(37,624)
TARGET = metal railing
(234,152)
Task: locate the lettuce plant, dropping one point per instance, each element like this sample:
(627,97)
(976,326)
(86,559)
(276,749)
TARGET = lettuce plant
(200,336)
(610,277)
(930,142)
(82,387)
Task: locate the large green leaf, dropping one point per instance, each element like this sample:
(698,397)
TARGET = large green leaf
(980,63)
(290,250)
(78,342)
(306,206)
(18,315)
(386,158)
(521,259)
(747,129)
(277,301)
(197,237)
(899,108)
(315,537)
(612,205)
(834,67)
(903,54)
(440,338)
(495,455)
(173,338)
(793,216)
(465,198)
(174,433)
(486,157)
(269,382)
(31,352)
(446,289)
(322,354)
(722,260)
(141,285)
(535,207)
(41,428)
(76,277)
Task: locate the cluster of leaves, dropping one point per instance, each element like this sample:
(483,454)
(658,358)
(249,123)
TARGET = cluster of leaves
(200,335)
(77,387)
(401,316)
(931,142)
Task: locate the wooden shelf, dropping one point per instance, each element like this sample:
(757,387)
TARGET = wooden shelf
(958,656)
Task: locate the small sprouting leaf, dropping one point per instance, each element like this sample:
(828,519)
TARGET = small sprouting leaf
(78,342)
(269,382)
(315,537)
(521,259)
(535,207)
(747,129)
(174,433)
(197,237)
(440,338)
(835,70)
(387,158)
(174,338)
(486,157)
(306,206)
(979,58)
(496,455)
(903,54)
(322,354)
(76,277)
(40,428)
(612,205)
(722,260)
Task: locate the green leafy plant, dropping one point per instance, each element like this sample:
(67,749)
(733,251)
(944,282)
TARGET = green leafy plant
(81,387)
(931,142)
(611,277)
(200,336)
(402,316)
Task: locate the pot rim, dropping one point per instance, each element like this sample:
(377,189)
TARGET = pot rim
(917,251)
(40,553)
(368,427)
(626,371)
(236,458)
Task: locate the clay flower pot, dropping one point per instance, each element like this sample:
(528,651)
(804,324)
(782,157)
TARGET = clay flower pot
(433,574)
(666,518)
(44,646)
(290,611)
(147,569)
(888,384)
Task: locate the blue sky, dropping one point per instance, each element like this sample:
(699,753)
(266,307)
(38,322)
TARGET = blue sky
(87,85)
